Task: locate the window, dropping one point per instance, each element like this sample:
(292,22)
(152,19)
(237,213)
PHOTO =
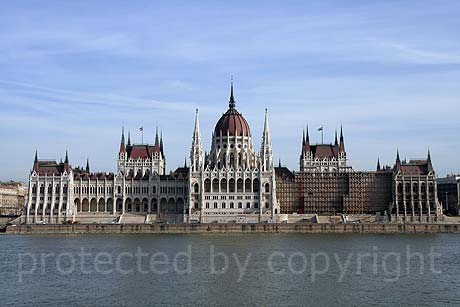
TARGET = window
(248,205)
(232,205)
(207,205)
(240,205)
(215,205)
(223,205)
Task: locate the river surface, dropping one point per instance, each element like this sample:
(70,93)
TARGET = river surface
(230,270)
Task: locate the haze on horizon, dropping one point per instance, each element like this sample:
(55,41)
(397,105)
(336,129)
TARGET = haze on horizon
(71,73)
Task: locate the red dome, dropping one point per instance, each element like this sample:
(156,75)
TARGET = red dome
(232,122)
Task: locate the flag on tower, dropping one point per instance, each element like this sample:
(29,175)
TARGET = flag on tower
(141,128)
(320,128)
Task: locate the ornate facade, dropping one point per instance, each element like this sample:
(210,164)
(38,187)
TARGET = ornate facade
(139,191)
(232,182)
(323,158)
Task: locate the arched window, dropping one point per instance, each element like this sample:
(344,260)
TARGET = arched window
(239,185)
(223,185)
(207,185)
(267,188)
(196,188)
(255,185)
(231,185)
(215,186)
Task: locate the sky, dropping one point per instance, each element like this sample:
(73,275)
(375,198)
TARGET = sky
(73,72)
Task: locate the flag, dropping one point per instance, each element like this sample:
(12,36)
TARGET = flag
(141,129)
(320,128)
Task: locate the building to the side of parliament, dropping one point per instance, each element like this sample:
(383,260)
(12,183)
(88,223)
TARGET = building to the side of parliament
(231,183)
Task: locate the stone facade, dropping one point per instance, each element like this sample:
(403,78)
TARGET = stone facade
(232,182)
(13,197)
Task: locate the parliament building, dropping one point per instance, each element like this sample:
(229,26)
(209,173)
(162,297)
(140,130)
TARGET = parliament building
(232,182)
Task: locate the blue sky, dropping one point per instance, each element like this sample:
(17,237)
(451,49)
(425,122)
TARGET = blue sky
(71,72)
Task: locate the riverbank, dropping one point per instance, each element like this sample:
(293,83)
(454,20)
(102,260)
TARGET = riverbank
(232,228)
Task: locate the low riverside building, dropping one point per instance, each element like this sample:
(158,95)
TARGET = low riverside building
(13,197)
(449,194)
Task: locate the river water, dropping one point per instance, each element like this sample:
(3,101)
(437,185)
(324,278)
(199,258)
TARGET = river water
(230,270)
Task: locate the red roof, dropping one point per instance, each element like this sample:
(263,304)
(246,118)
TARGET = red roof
(142,151)
(327,151)
(233,123)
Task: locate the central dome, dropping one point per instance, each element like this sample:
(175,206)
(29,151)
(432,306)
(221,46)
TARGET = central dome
(232,122)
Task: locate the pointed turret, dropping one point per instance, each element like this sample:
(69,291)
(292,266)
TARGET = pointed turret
(87,165)
(342,143)
(429,165)
(35,168)
(197,160)
(161,144)
(307,142)
(266,154)
(279,163)
(66,162)
(336,142)
(129,138)
(398,160)
(231,103)
(185,162)
(157,143)
(122,142)
(378,164)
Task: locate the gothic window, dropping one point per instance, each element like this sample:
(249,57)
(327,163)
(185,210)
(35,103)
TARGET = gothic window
(207,185)
(240,205)
(231,185)
(232,205)
(255,185)
(196,188)
(247,185)
(267,188)
(239,185)
(248,205)
(223,185)
(215,186)
(224,205)
(215,205)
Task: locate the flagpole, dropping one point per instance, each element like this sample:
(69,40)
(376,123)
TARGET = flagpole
(322,134)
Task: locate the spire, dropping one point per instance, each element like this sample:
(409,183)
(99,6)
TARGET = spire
(197,160)
(87,165)
(306,147)
(66,161)
(378,164)
(36,162)
(279,163)
(336,143)
(342,143)
(398,161)
(161,144)
(428,160)
(266,154)
(122,142)
(185,162)
(231,103)
(129,139)
(157,143)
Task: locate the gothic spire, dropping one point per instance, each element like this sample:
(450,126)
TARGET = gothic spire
(157,143)
(336,142)
(197,160)
(129,138)
(378,164)
(66,161)
(231,103)
(122,142)
(342,143)
(279,163)
(36,156)
(428,160)
(161,144)
(266,154)
(87,165)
